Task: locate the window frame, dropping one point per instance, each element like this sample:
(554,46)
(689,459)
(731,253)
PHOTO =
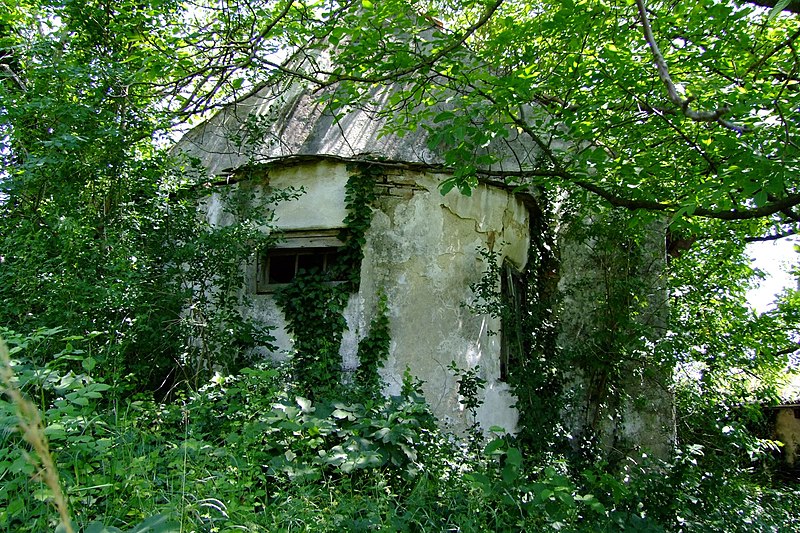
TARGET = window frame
(513,288)
(297,244)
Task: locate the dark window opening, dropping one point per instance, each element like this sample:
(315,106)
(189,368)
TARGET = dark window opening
(280,266)
(512,293)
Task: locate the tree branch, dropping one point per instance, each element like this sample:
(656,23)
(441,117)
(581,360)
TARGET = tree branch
(793,6)
(663,72)
(787,42)
(558,170)
(732,214)
(13,75)
(766,210)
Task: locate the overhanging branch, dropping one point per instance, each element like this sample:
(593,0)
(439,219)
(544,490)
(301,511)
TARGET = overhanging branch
(715,115)
(615,200)
(732,214)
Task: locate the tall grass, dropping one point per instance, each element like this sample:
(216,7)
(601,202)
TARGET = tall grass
(31,427)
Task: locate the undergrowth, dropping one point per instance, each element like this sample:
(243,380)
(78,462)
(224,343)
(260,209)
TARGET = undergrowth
(243,454)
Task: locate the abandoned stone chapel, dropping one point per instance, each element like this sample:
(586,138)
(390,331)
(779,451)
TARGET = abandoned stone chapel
(426,258)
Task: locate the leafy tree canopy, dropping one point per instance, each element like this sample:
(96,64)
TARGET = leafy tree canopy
(689,108)
(683,107)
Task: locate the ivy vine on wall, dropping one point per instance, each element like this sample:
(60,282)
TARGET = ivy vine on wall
(572,344)
(313,305)
(536,374)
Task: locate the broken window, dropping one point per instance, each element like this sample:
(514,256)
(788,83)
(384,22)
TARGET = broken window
(298,253)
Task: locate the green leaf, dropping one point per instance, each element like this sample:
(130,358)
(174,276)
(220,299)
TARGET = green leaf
(444,116)
(447,186)
(88,364)
(777,8)
(514,457)
(479,480)
(465,188)
(305,404)
(343,414)
(494,446)
(78,399)
(510,473)
(760,199)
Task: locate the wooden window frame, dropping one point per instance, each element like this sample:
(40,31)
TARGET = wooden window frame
(296,245)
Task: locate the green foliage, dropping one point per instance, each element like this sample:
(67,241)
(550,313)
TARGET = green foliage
(615,310)
(358,200)
(529,312)
(207,268)
(731,363)
(595,111)
(313,307)
(156,276)
(154,524)
(470,396)
(243,452)
(538,379)
(373,350)
(99,231)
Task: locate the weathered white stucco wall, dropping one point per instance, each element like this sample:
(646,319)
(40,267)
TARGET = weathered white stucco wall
(618,395)
(787,429)
(422,251)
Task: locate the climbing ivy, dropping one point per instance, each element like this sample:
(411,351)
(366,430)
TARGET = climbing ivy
(313,304)
(609,309)
(616,316)
(536,373)
(533,363)
(373,350)
(359,198)
(313,309)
